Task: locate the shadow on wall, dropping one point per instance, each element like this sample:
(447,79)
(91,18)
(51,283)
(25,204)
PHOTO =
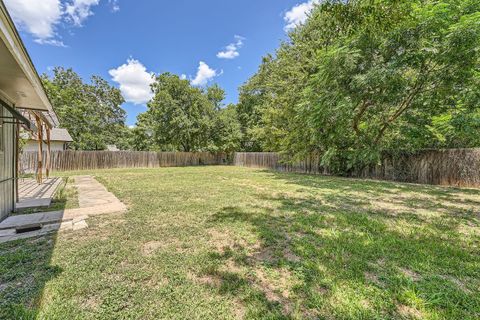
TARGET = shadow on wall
(360,248)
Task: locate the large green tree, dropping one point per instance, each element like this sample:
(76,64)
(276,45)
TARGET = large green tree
(181,117)
(226,134)
(91,112)
(365,76)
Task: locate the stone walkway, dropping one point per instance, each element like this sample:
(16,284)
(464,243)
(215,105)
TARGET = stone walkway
(93,198)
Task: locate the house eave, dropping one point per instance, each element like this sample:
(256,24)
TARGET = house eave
(25,89)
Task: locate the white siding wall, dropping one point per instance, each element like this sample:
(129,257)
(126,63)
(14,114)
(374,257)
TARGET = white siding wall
(54,146)
(7,166)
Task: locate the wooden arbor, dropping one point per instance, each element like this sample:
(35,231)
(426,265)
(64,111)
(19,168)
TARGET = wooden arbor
(43,128)
(43,135)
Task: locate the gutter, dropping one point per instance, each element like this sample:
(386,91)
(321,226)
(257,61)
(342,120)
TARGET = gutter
(26,64)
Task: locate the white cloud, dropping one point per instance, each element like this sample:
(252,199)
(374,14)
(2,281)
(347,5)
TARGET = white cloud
(298,14)
(231,51)
(79,10)
(204,74)
(42,17)
(52,42)
(114,5)
(134,81)
(37,17)
(183,76)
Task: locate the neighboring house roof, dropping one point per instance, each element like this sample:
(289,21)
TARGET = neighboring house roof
(26,90)
(56,134)
(112,147)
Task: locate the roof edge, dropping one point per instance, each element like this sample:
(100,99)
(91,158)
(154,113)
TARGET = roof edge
(24,60)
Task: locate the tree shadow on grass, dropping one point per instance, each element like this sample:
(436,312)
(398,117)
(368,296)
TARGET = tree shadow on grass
(25,268)
(344,258)
(378,187)
(392,198)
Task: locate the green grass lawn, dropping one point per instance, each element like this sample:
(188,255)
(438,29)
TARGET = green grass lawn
(233,243)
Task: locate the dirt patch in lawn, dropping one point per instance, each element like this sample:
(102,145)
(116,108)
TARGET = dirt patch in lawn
(277,288)
(458,283)
(231,266)
(92,303)
(373,278)
(408,312)
(169,245)
(290,256)
(223,240)
(412,275)
(150,247)
(156,283)
(239,309)
(206,279)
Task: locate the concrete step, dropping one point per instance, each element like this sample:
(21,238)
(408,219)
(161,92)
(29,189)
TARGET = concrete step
(41,218)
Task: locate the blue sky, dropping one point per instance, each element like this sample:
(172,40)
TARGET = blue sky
(124,41)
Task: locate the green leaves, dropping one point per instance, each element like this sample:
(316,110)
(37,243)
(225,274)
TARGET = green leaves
(361,77)
(181,117)
(91,113)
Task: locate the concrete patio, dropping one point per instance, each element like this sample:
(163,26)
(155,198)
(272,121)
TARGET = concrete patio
(35,195)
(93,198)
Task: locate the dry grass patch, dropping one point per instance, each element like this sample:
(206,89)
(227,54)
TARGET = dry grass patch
(407,312)
(150,247)
(277,286)
(374,279)
(410,274)
(211,280)
(91,303)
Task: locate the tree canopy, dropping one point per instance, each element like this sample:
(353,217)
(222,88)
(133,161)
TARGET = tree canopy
(181,117)
(92,112)
(365,76)
(359,78)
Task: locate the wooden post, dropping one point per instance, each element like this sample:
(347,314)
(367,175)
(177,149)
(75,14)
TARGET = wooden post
(40,149)
(47,165)
(17,159)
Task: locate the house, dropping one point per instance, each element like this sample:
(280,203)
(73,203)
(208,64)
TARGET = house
(112,147)
(23,103)
(59,141)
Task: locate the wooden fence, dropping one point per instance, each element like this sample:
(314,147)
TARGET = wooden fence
(91,160)
(453,167)
(273,161)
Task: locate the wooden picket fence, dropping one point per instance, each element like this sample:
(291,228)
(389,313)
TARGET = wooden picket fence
(273,161)
(91,160)
(452,167)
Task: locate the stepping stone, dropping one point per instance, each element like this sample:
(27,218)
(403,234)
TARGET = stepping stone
(68,225)
(80,225)
(33,219)
(7,232)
